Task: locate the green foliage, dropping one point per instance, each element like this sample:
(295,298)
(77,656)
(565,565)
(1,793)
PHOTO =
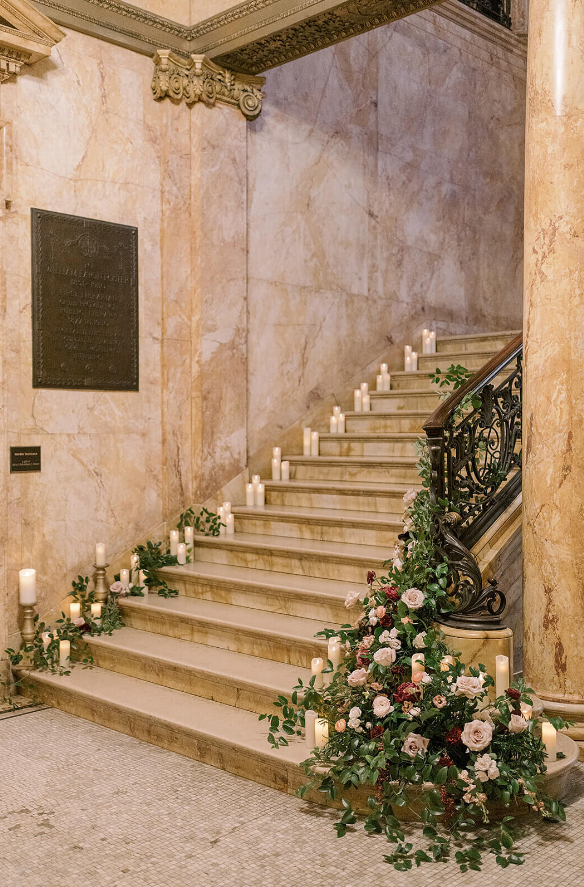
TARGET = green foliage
(206,522)
(454,378)
(152,560)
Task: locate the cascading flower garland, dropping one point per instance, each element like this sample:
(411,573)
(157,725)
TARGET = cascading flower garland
(435,734)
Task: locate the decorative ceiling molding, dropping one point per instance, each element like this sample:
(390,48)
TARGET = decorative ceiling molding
(26,36)
(198,79)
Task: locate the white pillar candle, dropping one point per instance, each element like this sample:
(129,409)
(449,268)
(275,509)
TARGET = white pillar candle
(364,386)
(317,666)
(386,382)
(306,441)
(408,363)
(314,445)
(341,423)
(408,351)
(417,663)
(125,578)
(74,610)
(181,553)
(379,382)
(189,535)
(174,537)
(357,400)
(276,469)
(260,495)
(99,554)
(27,587)
(526,710)
(446,662)
(383,368)
(366,403)
(501,674)
(414,361)
(135,563)
(255,479)
(334,651)
(549,738)
(285,470)
(221,517)
(336,411)
(230,528)
(64,652)
(334,425)
(47,638)
(321,732)
(142,581)
(226,510)
(250,495)
(277,453)
(96,612)
(309,725)
(425,341)
(432,342)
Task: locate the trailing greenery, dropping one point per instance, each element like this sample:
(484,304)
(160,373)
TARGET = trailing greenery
(206,522)
(452,379)
(152,560)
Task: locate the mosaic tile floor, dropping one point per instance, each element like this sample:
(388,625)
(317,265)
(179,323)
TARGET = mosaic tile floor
(83,805)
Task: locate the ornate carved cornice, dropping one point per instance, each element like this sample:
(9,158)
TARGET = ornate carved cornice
(198,79)
(26,36)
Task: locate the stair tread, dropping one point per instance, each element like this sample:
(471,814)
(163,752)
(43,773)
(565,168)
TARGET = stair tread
(231,616)
(306,546)
(407,392)
(304,512)
(341,485)
(219,723)
(380,414)
(356,460)
(222,664)
(372,435)
(467,336)
(277,581)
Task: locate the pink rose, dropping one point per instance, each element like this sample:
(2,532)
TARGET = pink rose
(469,687)
(517,724)
(117,588)
(380,612)
(413,598)
(384,656)
(340,726)
(357,678)
(382,706)
(477,735)
(351,599)
(439,701)
(415,745)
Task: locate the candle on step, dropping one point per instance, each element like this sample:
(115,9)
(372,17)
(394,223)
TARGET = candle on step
(277,453)
(174,536)
(414,361)
(135,566)
(309,724)
(432,342)
(99,554)
(386,382)
(125,578)
(446,662)
(334,651)
(142,582)
(64,652)
(260,495)
(549,739)
(383,368)
(501,674)
(364,386)
(96,612)
(336,411)
(417,664)
(357,400)
(182,553)
(47,638)
(408,363)
(366,403)
(314,443)
(285,470)
(230,529)
(526,710)
(189,535)
(255,479)
(425,341)
(27,587)
(379,382)
(250,495)
(226,510)
(321,732)
(316,667)
(306,441)
(74,611)
(334,425)
(341,423)
(221,516)
(276,469)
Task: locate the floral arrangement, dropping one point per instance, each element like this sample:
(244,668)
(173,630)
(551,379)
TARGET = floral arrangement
(435,734)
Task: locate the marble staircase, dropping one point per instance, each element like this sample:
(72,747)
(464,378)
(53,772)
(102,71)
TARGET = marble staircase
(192,673)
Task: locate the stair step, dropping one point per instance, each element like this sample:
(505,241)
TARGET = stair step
(288,639)
(324,524)
(475,342)
(426,399)
(369,444)
(471,360)
(324,495)
(306,557)
(286,593)
(378,421)
(355,468)
(223,736)
(222,675)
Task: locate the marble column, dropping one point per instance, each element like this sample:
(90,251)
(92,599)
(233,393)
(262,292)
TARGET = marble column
(553,414)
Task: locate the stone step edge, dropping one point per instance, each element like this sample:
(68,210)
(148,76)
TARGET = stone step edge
(364,461)
(465,337)
(377,523)
(373,435)
(233,543)
(341,486)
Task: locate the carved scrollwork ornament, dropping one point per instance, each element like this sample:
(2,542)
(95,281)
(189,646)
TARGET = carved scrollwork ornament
(198,79)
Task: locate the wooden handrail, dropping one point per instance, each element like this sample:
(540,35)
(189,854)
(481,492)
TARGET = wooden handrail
(435,425)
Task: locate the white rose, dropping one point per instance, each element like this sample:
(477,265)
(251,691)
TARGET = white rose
(382,706)
(389,638)
(485,715)
(415,744)
(355,713)
(351,599)
(426,678)
(368,641)
(384,656)
(420,640)
(408,524)
(357,678)
(415,711)
(397,564)
(468,686)
(409,497)
(477,735)
(413,598)
(517,724)
(486,768)
(373,620)
(354,724)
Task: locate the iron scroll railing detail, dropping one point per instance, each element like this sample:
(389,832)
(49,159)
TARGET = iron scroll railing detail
(498,10)
(475,457)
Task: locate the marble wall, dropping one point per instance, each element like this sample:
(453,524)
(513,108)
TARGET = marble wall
(380,188)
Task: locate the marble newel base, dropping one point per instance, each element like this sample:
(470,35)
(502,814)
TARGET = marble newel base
(479,646)
(569,711)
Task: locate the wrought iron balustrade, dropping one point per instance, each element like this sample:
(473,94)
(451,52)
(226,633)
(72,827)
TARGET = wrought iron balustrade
(498,10)
(475,456)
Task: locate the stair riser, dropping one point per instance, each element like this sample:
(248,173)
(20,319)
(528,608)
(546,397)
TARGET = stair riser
(393,403)
(263,769)
(429,362)
(289,562)
(408,381)
(385,504)
(475,343)
(370,422)
(188,680)
(387,474)
(288,650)
(259,598)
(339,447)
(353,533)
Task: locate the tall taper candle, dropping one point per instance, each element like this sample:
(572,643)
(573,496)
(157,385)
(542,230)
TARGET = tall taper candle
(250,495)
(27,586)
(357,400)
(181,553)
(276,470)
(314,443)
(285,470)
(306,441)
(99,554)
(501,674)
(309,725)
(174,536)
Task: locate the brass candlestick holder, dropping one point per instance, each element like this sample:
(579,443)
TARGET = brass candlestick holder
(101,587)
(28,627)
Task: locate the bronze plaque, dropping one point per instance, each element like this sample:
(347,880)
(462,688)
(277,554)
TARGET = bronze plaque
(25,459)
(84,303)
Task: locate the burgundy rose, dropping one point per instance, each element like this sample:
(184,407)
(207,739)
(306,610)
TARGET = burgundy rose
(363,662)
(371,575)
(407,692)
(392,593)
(453,737)
(513,694)
(377,731)
(399,669)
(386,621)
(446,761)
